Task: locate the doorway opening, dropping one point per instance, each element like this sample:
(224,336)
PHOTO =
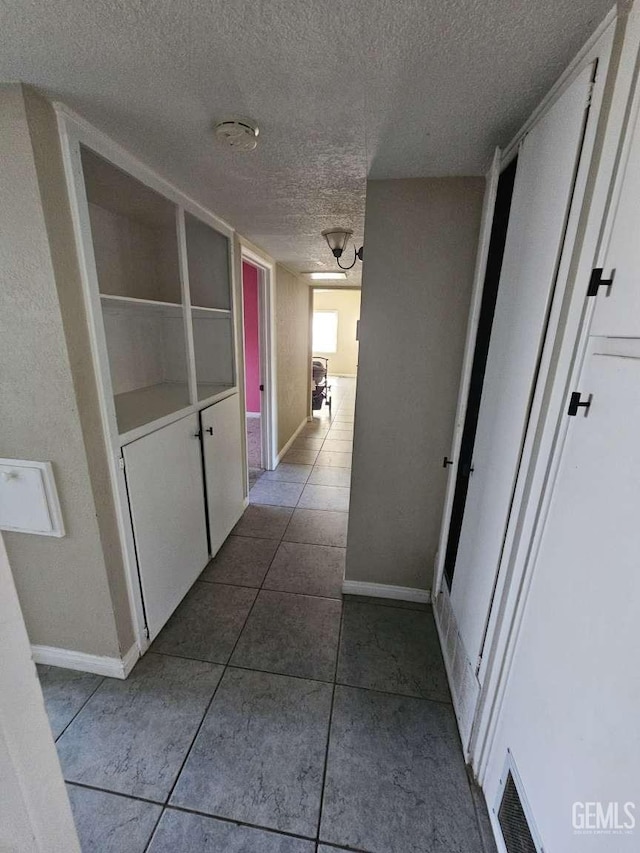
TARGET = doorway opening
(334,354)
(257,334)
(497,243)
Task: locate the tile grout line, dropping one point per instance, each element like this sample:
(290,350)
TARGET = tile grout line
(91,695)
(279,506)
(186,810)
(326,752)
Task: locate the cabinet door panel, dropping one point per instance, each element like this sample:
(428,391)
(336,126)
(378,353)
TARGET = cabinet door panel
(574,678)
(166,496)
(617,311)
(223,464)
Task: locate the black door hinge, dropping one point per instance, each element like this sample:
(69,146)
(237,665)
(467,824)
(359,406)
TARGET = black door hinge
(576,403)
(597,281)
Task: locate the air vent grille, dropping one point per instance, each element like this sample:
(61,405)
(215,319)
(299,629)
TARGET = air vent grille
(513,821)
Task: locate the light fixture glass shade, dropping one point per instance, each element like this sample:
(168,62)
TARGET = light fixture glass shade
(337,239)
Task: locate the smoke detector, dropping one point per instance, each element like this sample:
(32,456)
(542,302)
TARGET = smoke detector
(240,134)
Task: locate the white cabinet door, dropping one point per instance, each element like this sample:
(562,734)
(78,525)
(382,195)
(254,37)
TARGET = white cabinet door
(542,194)
(573,692)
(166,496)
(223,465)
(617,311)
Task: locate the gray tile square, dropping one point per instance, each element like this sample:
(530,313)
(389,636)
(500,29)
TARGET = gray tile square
(207,623)
(289,473)
(263,522)
(241,561)
(318,527)
(111,823)
(330,477)
(325,497)
(65,691)
(307,442)
(338,445)
(316,427)
(300,457)
(333,459)
(291,635)
(336,434)
(396,778)
(181,832)
(132,736)
(259,756)
(307,569)
(275,493)
(391,649)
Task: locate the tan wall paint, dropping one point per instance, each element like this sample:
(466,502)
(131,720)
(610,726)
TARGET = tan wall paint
(420,238)
(292,311)
(72,590)
(347,303)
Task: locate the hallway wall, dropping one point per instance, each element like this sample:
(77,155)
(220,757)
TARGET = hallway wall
(293,343)
(72,590)
(420,239)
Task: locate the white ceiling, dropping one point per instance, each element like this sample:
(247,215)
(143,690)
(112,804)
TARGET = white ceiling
(341,90)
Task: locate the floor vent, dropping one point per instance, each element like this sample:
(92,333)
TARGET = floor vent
(512,810)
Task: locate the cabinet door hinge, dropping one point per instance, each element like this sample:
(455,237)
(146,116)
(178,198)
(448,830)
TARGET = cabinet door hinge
(596,281)
(121,462)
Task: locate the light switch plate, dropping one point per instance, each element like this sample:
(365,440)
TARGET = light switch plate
(29,499)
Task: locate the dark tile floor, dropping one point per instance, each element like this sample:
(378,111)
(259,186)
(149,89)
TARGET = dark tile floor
(270,715)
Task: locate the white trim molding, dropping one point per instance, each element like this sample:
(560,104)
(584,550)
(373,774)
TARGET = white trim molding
(384,590)
(285,449)
(98,664)
(267,341)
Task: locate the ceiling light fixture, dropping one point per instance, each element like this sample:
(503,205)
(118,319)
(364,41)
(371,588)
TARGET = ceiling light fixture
(241,134)
(337,239)
(327,276)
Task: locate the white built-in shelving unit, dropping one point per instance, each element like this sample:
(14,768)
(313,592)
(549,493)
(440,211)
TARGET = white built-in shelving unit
(166,302)
(159,292)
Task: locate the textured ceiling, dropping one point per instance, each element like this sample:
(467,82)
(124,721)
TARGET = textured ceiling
(341,90)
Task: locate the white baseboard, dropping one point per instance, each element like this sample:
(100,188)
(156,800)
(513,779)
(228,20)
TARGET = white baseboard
(253,414)
(285,449)
(98,664)
(383,590)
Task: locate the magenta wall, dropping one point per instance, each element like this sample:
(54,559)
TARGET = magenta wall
(251,337)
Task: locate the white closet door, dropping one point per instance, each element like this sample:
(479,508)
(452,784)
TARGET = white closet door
(573,694)
(618,311)
(166,495)
(223,464)
(545,176)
